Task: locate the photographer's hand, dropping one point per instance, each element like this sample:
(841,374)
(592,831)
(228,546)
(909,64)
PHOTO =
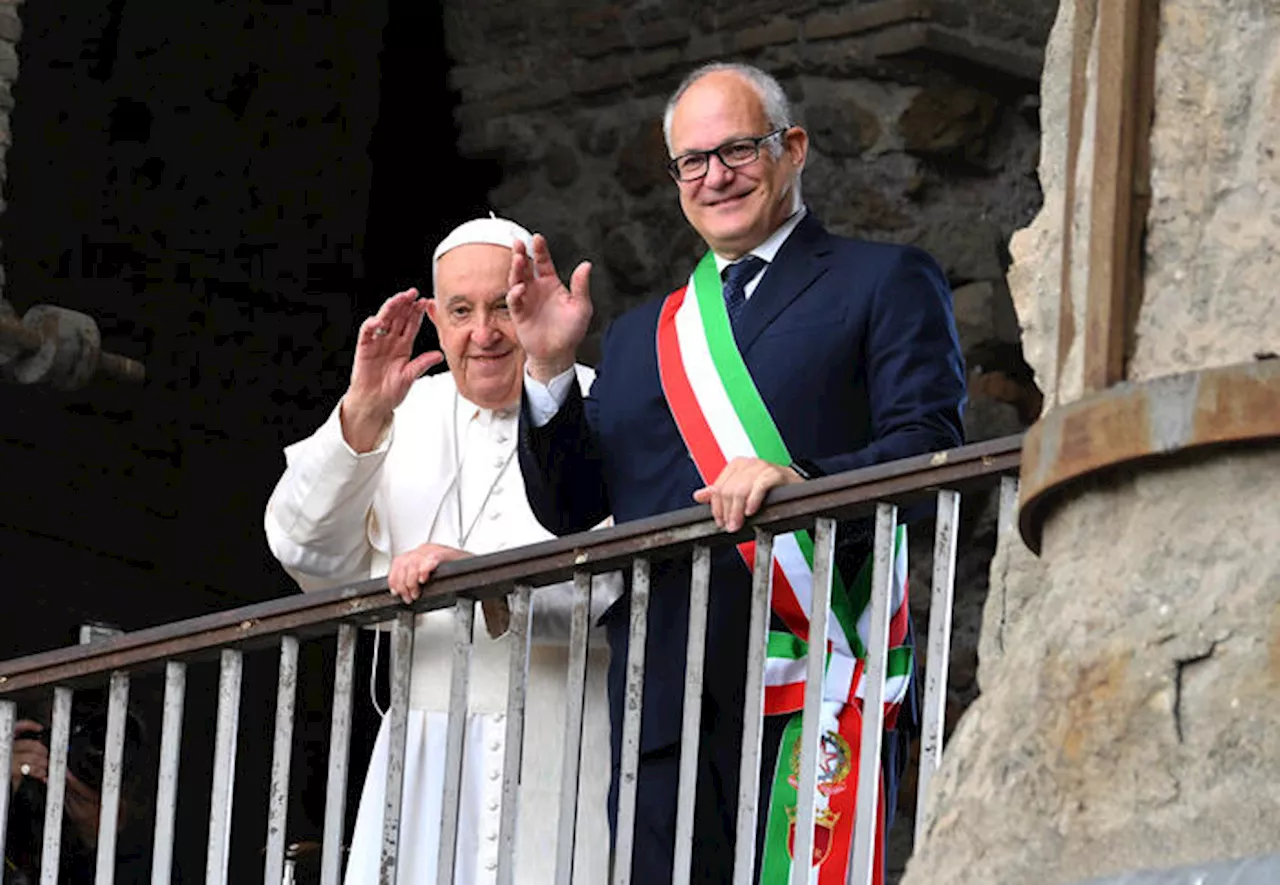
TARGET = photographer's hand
(82,810)
(30,755)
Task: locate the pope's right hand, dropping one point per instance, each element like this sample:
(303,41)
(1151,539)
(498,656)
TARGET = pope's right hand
(409,571)
(384,368)
(550,319)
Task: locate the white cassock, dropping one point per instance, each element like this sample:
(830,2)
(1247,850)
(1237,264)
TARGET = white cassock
(338,517)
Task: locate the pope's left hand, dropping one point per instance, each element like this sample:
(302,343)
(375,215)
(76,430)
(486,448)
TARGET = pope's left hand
(740,489)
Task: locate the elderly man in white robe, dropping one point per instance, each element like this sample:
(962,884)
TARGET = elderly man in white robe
(412,471)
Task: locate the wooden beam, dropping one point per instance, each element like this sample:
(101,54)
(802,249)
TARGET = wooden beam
(1117,130)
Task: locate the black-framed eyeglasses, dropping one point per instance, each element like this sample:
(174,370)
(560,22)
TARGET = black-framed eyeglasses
(739,152)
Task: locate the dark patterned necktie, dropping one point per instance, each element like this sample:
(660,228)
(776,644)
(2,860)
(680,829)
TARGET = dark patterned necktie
(736,276)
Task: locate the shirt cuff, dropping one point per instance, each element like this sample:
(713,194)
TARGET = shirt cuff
(545,400)
(333,428)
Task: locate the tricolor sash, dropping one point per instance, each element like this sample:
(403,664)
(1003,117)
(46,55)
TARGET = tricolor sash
(721,416)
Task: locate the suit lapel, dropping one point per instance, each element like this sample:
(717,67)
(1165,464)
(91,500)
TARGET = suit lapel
(798,264)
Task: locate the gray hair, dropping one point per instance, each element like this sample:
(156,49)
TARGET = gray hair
(777,109)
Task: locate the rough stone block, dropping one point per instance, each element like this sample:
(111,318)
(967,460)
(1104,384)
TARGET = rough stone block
(780,30)
(10,24)
(561,165)
(602,76)
(1018,60)
(600,41)
(855,19)
(483,81)
(663,32)
(8,62)
(974,312)
(596,136)
(734,15)
(596,15)
(642,161)
(704,47)
(967,248)
(651,64)
(843,129)
(944,117)
(513,188)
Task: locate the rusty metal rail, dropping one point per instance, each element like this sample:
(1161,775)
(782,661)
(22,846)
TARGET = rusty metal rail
(880,490)
(843,496)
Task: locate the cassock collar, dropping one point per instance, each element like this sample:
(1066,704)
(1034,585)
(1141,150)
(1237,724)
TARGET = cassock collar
(469,411)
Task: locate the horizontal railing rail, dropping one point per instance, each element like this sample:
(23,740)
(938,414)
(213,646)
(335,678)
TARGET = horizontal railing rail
(842,496)
(815,505)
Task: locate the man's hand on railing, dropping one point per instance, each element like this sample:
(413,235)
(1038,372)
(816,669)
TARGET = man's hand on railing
(409,571)
(739,490)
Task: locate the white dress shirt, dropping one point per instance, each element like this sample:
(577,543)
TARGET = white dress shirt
(546,399)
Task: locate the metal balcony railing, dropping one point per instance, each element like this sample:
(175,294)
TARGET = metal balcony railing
(281,623)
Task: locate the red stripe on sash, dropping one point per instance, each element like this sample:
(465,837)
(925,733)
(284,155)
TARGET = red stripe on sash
(707,455)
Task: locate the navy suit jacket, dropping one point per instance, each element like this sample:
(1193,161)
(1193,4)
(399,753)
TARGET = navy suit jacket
(853,348)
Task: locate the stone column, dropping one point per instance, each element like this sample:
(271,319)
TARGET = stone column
(1130,667)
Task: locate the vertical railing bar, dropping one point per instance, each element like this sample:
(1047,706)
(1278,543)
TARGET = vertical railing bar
(632,705)
(690,734)
(56,786)
(864,833)
(1008,504)
(335,800)
(224,766)
(112,770)
(517,685)
(398,734)
(938,660)
(824,549)
(8,721)
(753,710)
(575,698)
(281,756)
(463,628)
(175,690)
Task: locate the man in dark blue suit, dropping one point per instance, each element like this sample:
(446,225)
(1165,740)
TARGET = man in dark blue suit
(852,349)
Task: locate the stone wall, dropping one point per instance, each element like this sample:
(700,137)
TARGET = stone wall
(921,115)
(924,130)
(1129,672)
